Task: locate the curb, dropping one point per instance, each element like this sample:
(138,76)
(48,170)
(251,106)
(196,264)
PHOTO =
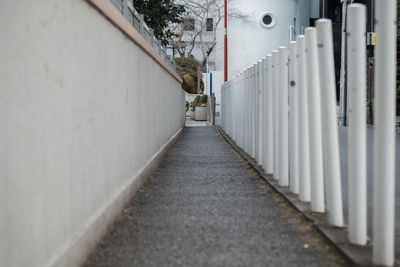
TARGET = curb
(356,255)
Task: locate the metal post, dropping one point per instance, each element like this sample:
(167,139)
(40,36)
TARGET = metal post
(125,10)
(211,84)
(304,152)
(330,137)
(141,24)
(283,118)
(293,116)
(314,115)
(269,119)
(151,36)
(384,139)
(198,79)
(356,48)
(275,108)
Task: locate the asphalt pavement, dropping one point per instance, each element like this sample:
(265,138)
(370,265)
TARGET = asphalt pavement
(205,206)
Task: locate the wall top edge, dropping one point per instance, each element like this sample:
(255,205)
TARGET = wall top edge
(110,12)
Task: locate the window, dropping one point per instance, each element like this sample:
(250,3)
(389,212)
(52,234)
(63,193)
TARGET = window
(267,20)
(210,25)
(188,24)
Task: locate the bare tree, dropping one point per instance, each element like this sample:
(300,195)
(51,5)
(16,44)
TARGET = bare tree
(192,32)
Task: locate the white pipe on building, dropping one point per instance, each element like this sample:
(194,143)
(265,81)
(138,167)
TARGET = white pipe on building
(269,144)
(275,107)
(330,137)
(356,47)
(283,118)
(384,138)
(293,116)
(314,114)
(304,152)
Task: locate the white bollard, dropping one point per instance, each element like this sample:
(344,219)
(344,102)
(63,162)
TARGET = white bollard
(304,149)
(242,118)
(314,114)
(269,144)
(259,110)
(232,103)
(246,115)
(293,116)
(222,107)
(235,104)
(252,114)
(283,118)
(244,84)
(264,112)
(248,88)
(275,113)
(356,50)
(334,203)
(384,136)
(255,114)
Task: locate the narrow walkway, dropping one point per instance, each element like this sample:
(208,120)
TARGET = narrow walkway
(205,207)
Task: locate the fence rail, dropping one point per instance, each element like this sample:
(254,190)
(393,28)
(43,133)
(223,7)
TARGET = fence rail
(137,21)
(282,112)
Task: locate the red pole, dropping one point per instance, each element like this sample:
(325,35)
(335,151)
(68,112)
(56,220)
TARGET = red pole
(226,41)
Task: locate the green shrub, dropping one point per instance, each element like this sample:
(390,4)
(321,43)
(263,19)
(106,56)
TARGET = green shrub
(199,100)
(187,68)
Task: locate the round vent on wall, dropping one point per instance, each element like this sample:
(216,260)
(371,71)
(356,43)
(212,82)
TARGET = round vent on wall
(267,20)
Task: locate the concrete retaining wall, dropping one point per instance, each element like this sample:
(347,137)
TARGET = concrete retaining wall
(85,114)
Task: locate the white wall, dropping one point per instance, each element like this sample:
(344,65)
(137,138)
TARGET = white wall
(249,42)
(83,111)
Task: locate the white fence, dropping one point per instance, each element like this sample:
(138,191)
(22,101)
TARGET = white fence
(282,112)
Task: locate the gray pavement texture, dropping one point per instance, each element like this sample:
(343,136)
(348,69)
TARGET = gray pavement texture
(205,206)
(343,132)
(193,123)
